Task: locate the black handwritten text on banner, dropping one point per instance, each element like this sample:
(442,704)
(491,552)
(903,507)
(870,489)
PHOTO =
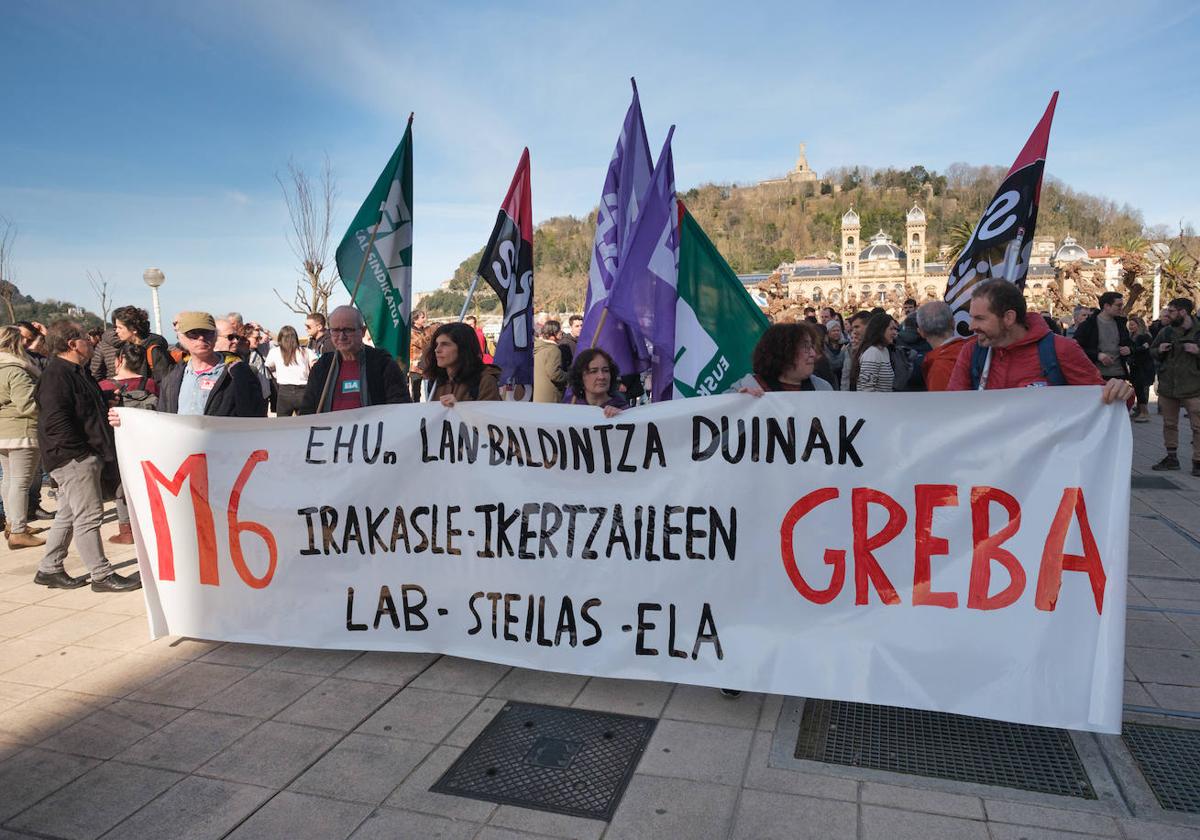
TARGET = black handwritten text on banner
(959,552)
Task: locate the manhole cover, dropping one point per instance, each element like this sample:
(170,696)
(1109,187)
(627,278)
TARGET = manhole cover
(944,746)
(1151,482)
(568,761)
(1170,760)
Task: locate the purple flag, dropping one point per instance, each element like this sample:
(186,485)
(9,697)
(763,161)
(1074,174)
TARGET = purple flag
(626,180)
(644,294)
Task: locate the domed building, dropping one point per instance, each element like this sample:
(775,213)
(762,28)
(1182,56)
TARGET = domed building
(879,271)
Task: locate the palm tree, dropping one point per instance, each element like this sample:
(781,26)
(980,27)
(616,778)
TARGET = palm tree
(957,238)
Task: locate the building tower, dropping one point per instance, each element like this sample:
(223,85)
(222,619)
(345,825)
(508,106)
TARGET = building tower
(914,243)
(851,243)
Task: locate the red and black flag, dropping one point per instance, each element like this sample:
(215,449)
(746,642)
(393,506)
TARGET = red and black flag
(1002,241)
(507,266)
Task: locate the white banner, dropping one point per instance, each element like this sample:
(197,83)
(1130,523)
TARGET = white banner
(956,552)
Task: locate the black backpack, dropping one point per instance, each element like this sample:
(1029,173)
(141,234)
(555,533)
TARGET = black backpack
(137,397)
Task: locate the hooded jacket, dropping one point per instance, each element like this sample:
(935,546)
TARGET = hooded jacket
(1018,365)
(18,409)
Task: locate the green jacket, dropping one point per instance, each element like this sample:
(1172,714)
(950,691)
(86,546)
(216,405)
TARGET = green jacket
(18,411)
(1178,371)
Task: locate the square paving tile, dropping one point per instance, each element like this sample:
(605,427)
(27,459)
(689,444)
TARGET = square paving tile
(296,816)
(708,705)
(462,676)
(272,755)
(56,669)
(624,697)
(261,694)
(337,704)
(188,741)
(190,685)
(96,801)
(420,715)
(46,713)
(879,823)
(387,667)
(76,626)
(777,816)
(390,824)
(124,674)
(244,655)
(29,776)
(321,663)
(108,731)
(362,768)
(530,686)
(655,808)
(697,751)
(195,809)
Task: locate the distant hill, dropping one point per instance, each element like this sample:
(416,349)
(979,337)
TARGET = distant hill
(25,308)
(759,226)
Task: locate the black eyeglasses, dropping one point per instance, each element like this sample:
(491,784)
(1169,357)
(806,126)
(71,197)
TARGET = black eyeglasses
(344,330)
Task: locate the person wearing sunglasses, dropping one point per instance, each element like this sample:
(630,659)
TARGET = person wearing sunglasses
(212,383)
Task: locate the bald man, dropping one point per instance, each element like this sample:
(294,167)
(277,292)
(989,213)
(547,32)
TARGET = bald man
(353,375)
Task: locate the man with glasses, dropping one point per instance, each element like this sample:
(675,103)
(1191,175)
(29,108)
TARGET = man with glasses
(354,375)
(77,448)
(1177,348)
(214,382)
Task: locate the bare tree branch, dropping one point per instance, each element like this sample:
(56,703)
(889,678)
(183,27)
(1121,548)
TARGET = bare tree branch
(310,208)
(99,284)
(8,285)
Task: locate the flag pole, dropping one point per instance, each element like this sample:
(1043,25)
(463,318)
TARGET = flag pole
(470,294)
(599,325)
(371,244)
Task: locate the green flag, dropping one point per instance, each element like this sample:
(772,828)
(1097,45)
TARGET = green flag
(717,323)
(376,254)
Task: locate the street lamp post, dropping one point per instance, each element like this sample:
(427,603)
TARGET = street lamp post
(155,278)
(1160,251)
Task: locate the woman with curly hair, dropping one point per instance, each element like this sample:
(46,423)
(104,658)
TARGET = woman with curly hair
(454,367)
(595,380)
(784,359)
(131,325)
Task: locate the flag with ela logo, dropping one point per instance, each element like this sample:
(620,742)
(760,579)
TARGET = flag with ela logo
(717,323)
(375,256)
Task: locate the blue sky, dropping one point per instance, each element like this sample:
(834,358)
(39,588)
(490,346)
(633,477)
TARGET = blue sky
(140,134)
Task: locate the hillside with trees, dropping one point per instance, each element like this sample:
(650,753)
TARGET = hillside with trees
(759,226)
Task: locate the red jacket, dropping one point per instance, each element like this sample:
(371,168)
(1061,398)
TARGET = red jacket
(1018,365)
(939,365)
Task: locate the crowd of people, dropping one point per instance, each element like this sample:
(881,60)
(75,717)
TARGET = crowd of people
(60,385)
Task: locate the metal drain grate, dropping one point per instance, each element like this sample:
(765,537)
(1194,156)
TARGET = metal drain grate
(943,746)
(1151,482)
(567,761)
(1170,760)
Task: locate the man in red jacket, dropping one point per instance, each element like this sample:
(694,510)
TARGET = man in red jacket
(1014,349)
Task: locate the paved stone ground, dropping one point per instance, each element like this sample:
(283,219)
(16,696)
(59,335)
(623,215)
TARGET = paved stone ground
(104,733)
